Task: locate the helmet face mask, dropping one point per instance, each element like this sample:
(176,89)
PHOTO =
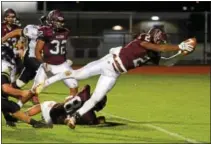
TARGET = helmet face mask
(58,24)
(158,36)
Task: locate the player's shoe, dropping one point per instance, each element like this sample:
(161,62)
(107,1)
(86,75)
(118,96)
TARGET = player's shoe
(70,122)
(10,124)
(40,124)
(39,88)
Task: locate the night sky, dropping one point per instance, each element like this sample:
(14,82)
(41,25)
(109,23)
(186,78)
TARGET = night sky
(135,6)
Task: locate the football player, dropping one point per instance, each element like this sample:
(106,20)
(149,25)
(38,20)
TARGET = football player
(51,50)
(57,113)
(8,106)
(27,41)
(144,49)
(9,24)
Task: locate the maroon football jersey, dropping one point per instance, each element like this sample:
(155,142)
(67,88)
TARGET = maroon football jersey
(5,30)
(133,54)
(54,51)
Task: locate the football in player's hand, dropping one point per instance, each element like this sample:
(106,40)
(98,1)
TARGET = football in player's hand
(192,42)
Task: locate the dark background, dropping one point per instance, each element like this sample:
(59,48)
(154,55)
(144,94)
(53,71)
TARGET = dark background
(138,6)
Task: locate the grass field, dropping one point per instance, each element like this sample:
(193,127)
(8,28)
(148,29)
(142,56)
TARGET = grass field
(140,108)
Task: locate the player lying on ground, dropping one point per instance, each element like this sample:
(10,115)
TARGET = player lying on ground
(56,113)
(146,48)
(10,108)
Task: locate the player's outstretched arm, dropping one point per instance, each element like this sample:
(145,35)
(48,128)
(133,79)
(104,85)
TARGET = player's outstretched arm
(160,48)
(187,46)
(170,61)
(12,34)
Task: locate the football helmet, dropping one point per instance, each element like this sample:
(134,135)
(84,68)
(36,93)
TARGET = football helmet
(9,16)
(158,36)
(55,19)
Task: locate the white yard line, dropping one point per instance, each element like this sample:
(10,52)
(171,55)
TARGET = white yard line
(173,134)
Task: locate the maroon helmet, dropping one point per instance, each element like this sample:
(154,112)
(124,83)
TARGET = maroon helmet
(55,19)
(9,16)
(158,36)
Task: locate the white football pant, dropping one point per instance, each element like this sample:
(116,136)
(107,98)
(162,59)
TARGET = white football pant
(54,69)
(107,80)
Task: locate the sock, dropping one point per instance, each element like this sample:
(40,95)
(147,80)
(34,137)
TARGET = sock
(20,103)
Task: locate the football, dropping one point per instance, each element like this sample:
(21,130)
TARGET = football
(191,41)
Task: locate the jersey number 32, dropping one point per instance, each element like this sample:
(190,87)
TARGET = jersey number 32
(58,47)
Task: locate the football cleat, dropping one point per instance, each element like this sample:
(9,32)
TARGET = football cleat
(40,124)
(70,122)
(39,88)
(10,124)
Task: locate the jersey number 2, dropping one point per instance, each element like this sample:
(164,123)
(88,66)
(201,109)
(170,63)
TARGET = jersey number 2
(59,47)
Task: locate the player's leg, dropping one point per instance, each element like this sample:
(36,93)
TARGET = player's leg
(91,69)
(39,78)
(34,65)
(71,83)
(34,110)
(26,75)
(11,107)
(104,85)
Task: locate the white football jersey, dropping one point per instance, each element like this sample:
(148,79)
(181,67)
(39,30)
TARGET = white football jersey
(45,108)
(8,69)
(31,32)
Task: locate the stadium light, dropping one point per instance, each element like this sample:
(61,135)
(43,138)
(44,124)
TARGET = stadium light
(155,18)
(117,27)
(184,8)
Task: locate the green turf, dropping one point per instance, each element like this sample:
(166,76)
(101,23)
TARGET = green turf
(177,103)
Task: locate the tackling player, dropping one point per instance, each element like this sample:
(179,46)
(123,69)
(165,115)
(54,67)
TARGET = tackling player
(56,113)
(28,37)
(146,48)
(8,106)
